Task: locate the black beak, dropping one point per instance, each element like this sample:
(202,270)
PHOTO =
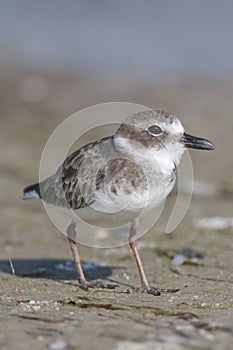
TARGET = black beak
(197,142)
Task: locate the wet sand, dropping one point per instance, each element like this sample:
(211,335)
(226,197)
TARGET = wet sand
(52,311)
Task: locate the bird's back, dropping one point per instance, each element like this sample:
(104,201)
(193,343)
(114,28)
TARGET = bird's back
(72,184)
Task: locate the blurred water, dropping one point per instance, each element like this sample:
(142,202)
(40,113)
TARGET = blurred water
(137,39)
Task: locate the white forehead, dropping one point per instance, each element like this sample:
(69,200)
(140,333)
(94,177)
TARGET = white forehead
(173,128)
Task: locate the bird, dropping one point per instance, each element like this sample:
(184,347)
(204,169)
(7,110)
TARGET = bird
(120,175)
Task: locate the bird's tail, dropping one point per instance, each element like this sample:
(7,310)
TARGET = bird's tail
(32,191)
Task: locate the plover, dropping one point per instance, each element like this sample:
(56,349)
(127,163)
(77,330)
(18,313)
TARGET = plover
(120,175)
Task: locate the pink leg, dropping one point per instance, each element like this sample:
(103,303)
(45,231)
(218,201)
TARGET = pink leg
(133,246)
(145,287)
(84,284)
(71,233)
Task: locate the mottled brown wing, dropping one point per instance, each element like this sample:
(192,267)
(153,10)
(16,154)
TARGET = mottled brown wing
(74,183)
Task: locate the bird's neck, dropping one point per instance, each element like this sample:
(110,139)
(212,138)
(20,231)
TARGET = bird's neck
(161,159)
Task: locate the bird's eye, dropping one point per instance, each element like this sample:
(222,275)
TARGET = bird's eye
(155,130)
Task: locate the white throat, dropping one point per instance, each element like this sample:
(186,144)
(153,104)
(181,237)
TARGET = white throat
(163,159)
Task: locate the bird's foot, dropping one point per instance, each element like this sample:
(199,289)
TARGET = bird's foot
(154,291)
(149,290)
(85,285)
(158,291)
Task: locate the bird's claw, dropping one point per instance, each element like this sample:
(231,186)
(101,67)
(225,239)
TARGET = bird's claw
(154,291)
(96,285)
